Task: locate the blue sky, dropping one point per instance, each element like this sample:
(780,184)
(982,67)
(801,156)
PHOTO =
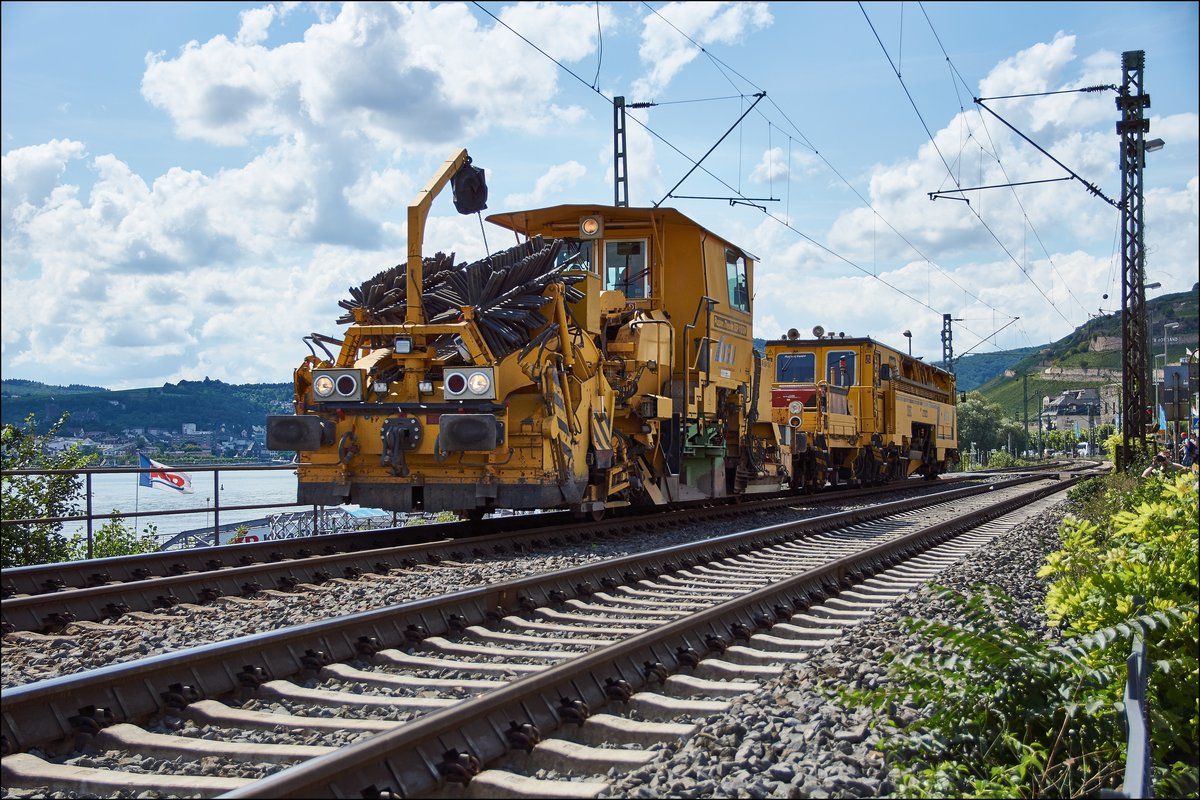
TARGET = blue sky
(190,188)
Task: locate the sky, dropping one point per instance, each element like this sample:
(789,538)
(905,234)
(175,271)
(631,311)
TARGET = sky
(190,188)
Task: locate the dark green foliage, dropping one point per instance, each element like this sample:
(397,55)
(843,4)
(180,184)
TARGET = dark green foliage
(1007,714)
(31,496)
(209,404)
(22,388)
(984,424)
(115,538)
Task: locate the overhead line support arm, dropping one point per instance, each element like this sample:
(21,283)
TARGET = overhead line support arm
(1091,187)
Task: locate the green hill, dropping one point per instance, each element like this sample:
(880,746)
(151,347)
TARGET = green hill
(209,404)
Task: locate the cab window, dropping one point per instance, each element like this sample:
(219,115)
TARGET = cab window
(735,274)
(839,367)
(795,368)
(627,268)
(577,253)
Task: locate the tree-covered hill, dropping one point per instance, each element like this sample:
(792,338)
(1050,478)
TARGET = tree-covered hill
(208,404)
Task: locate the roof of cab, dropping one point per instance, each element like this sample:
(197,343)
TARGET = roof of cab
(537,218)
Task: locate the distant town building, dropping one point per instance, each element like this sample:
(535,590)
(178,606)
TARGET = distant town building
(1073,410)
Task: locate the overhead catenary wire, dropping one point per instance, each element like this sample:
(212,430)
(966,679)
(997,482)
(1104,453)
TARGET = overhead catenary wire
(607,99)
(722,68)
(995,150)
(950,171)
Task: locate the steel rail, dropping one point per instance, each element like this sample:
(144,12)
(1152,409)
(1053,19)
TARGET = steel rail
(55,577)
(43,578)
(201,577)
(410,761)
(39,713)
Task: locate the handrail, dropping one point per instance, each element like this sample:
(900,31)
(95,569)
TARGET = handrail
(89,517)
(1137,756)
(1138,781)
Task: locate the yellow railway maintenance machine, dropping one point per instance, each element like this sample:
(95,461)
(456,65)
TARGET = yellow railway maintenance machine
(604,360)
(852,410)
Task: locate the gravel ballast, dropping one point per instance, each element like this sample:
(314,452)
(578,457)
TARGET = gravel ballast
(794,738)
(790,738)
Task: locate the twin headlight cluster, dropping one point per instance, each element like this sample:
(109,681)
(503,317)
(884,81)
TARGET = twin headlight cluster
(337,384)
(459,383)
(474,383)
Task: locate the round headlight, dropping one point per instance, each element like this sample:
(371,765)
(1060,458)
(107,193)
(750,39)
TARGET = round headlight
(795,407)
(479,383)
(347,385)
(323,386)
(455,383)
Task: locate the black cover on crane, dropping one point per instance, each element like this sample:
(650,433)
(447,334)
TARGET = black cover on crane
(470,189)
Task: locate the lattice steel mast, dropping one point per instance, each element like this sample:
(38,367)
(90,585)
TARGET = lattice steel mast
(1133,126)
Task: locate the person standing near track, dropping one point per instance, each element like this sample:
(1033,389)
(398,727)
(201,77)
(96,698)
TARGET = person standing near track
(1188,450)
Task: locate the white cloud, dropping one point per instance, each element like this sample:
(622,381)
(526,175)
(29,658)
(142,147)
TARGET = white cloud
(705,23)
(774,166)
(256,23)
(191,273)
(1010,252)
(557,178)
(29,174)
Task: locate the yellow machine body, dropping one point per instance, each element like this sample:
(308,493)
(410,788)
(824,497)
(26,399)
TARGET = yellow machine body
(852,410)
(630,379)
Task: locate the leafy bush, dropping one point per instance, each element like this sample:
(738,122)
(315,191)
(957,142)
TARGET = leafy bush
(1009,715)
(1144,551)
(1001,460)
(115,538)
(1006,714)
(36,496)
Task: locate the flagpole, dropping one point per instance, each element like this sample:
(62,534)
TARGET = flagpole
(137,494)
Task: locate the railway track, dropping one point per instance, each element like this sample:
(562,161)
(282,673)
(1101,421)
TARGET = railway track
(48,598)
(16,582)
(160,581)
(525,673)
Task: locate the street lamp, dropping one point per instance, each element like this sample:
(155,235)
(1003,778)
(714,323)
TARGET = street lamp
(908,335)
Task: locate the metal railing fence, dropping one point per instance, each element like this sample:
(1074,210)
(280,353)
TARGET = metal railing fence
(89,517)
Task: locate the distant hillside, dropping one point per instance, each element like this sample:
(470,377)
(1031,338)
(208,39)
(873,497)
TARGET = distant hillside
(1074,351)
(209,404)
(22,388)
(974,370)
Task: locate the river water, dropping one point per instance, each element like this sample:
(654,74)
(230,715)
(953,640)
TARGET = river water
(121,492)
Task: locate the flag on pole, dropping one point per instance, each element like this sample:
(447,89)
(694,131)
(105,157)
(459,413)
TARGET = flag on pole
(162,477)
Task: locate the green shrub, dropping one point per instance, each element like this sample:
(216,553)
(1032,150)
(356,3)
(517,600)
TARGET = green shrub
(1001,460)
(115,538)
(1005,713)
(1143,552)
(37,496)
(1009,715)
